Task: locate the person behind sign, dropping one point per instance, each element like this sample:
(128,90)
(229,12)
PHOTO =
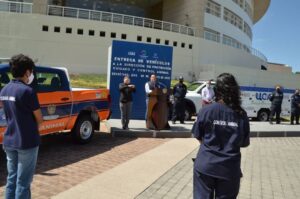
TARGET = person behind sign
(276,102)
(295,107)
(126,90)
(207,94)
(21,138)
(179,92)
(222,129)
(149,87)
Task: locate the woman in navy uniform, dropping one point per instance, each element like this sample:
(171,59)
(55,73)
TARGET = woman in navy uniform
(222,128)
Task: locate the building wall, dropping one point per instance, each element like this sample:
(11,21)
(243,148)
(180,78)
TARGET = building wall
(279,68)
(189,13)
(251,77)
(89,54)
(225,28)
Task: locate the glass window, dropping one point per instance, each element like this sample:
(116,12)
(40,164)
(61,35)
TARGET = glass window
(229,41)
(233,18)
(211,35)
(248,9)
(113,35)
(69,30)
(91,32)
(45,28)
(193,86)
(123,36)
(213,8)
(139,38)
(102,33)
(239,2)
(48,82)
(80,31)
(56,29)
(247,30)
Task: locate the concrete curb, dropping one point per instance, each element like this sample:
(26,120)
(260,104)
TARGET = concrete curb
(116,132)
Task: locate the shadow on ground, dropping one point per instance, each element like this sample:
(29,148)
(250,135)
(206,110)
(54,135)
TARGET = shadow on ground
(60,150)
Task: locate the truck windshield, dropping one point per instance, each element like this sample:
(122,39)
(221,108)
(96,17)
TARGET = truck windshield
(194,86)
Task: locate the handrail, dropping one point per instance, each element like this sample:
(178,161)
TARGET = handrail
(133,20)
(119,18)
(14,6)
(21,7)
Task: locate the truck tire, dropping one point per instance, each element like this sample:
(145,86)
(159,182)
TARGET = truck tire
(263,115)
(84,129)
(187,113)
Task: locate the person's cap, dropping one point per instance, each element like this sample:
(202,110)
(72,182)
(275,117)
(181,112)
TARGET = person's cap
(180,78)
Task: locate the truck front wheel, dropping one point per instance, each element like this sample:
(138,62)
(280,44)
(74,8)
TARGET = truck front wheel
(263,115)
(84,129)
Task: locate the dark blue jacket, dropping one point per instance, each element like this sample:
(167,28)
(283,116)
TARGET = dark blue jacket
(276,98)
(222,132)
(295,102)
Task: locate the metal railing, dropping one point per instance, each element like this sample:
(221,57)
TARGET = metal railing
(119,18)
(21,7)
(13,6)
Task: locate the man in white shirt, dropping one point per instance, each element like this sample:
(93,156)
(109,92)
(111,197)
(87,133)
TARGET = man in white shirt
(149,87)
(207,94)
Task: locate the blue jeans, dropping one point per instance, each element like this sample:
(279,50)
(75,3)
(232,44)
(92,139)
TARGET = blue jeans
(20,167)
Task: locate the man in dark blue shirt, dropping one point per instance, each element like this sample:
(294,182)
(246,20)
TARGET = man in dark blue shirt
(179,92)
(276,101)
(295,107)
(21,138)
(222,128)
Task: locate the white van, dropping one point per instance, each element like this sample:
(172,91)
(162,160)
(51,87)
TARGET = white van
(255,100)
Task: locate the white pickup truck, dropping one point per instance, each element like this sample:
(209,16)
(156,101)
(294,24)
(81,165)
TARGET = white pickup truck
(255,100)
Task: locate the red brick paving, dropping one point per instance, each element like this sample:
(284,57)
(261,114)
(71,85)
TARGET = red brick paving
(63,164)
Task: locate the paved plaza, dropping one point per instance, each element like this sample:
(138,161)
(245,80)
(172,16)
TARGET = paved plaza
(271,168)
(154,168)
(63,164)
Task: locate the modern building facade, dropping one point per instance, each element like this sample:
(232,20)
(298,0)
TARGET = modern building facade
(77,33)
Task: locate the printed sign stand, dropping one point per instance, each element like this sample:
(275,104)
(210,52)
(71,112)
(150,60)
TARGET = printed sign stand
(138,61)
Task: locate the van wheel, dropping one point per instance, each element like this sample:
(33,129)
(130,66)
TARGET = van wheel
(263,115)
(187,113)
(84,129)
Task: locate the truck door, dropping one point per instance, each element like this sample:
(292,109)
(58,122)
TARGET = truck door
(55,99)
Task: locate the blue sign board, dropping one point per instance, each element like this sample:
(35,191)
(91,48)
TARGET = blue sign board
(138,61)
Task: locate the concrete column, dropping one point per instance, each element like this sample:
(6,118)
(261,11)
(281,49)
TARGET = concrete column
(189,13)
(40,6)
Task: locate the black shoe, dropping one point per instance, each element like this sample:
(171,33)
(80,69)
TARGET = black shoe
(182,122)
(123,127)
(292,123)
